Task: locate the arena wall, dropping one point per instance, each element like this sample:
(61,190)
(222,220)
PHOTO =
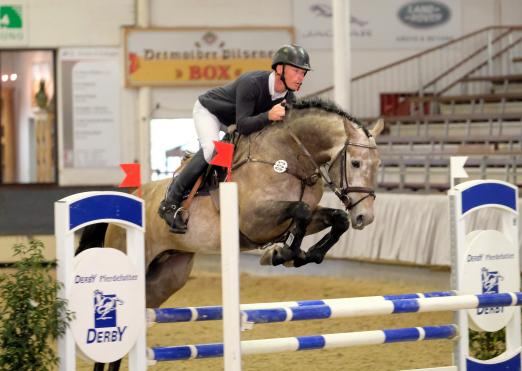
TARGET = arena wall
(98,24)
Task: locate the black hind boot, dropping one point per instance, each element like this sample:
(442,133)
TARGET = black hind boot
(170,208)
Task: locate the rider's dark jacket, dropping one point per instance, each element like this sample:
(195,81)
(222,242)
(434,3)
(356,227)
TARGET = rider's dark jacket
(245,102)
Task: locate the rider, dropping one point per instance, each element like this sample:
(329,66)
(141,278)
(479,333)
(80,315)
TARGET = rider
(252,101)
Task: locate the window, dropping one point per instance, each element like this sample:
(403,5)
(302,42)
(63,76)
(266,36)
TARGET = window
(169,139)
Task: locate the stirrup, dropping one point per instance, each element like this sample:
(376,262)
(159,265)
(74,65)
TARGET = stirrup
(171,210)
(180,226)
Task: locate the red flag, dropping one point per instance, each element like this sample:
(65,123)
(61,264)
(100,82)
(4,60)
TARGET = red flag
(132,176)
(224,156)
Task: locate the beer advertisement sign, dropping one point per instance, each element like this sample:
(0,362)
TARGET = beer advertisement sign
(198,56)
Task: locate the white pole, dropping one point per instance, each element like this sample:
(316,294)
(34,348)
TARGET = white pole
(144,104)
(457,169)
(230,275)
(136,252)
(64,272)
(342,52)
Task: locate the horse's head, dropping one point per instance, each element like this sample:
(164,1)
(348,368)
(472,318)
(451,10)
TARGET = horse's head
(354,172)
(333,138)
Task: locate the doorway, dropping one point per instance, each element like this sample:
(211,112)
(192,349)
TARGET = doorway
(27,117)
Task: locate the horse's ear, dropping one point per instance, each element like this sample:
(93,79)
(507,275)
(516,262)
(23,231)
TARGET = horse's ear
(377,128)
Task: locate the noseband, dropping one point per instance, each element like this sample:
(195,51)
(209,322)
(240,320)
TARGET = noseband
(343,190)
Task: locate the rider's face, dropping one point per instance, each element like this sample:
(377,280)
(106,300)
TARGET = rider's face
(293,76)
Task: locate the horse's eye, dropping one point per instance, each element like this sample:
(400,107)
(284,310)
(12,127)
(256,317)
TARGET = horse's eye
(356,164)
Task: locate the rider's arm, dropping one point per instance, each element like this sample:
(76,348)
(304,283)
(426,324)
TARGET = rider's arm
(247,94)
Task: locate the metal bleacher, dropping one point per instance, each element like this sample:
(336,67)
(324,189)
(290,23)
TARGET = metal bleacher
(464,100)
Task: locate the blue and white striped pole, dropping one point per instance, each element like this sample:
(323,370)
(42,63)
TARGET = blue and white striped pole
(344,309)
(299,343)
(210,313)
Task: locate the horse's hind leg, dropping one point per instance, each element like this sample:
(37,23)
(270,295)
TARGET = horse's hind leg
(321,219)
(167,274)
(301,214)
(113,366)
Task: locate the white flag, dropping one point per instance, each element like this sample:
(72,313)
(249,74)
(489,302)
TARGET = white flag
(457,167)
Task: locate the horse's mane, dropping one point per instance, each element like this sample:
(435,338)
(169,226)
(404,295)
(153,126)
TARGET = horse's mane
(328,106)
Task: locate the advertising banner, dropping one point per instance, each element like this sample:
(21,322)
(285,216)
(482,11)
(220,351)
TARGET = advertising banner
(490,259)
(104,298)
(91,83)
(390,24)
(14,23)
(197,57)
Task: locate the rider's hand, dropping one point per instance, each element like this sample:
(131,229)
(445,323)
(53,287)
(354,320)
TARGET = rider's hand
(277,112)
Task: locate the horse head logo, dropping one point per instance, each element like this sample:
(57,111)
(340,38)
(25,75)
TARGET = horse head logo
(322,10)
(105,309)
(490,281)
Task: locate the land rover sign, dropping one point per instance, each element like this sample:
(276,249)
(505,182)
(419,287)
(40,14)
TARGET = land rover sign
(424,14)
(394,24)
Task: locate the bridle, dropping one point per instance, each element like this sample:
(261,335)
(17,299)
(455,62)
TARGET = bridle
(343,190)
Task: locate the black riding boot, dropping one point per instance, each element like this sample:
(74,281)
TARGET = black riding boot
(170,208)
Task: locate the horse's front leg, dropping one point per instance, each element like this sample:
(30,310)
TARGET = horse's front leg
(301,214)
(323,218)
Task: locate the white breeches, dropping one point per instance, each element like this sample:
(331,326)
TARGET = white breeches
(207,128)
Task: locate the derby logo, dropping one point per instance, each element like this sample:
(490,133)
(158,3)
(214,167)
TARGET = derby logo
(105,317)
(490,285)
(490,281)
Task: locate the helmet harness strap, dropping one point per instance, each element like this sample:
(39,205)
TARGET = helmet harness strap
(283,77)
(283,65)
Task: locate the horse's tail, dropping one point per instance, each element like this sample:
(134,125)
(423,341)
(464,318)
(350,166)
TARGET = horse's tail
(92,236)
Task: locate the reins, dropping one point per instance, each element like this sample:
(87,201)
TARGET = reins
(342,191)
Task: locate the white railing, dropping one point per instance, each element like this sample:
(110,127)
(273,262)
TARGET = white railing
(487,51)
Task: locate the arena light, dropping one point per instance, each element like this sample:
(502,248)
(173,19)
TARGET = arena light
(5,77)
(13,77)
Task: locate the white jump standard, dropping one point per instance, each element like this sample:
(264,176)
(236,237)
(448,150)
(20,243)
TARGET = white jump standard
(486,262)
(112,291)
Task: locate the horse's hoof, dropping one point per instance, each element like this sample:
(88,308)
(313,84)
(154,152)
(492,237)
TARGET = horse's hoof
(266,259)
(276,256)
(289,264)
(282,255)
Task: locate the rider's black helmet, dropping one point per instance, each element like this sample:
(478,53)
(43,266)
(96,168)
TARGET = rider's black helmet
(293,55)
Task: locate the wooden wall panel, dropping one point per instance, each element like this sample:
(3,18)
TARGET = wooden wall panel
(7,137)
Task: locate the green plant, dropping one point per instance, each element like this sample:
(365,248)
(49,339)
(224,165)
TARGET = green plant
(487,345)
(31,314)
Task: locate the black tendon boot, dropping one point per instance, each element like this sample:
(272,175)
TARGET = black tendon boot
(170,208)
